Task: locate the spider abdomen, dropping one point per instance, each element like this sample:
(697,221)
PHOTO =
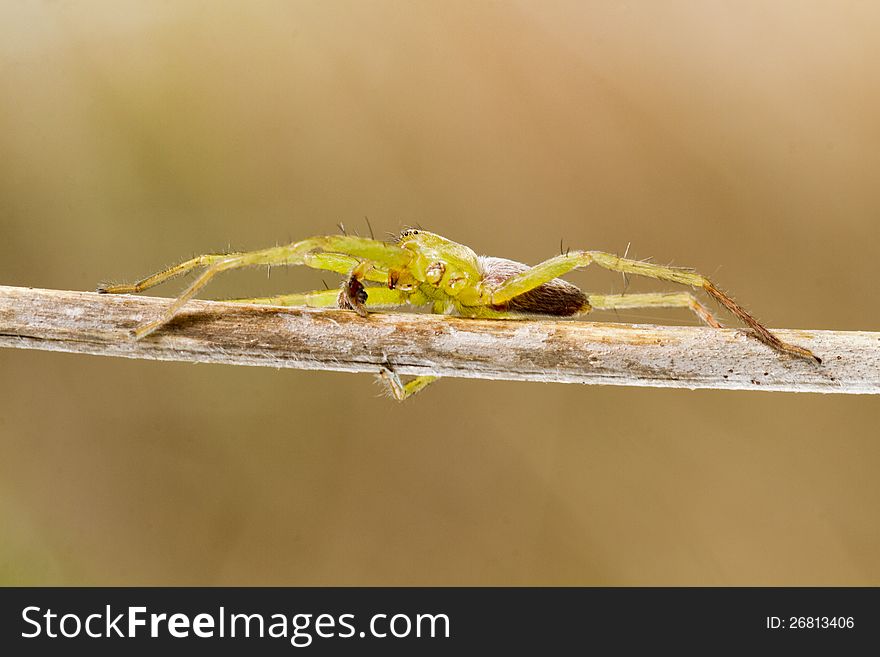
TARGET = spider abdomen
(555,297)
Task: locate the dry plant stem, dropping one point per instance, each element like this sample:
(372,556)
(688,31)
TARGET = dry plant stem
(416,344)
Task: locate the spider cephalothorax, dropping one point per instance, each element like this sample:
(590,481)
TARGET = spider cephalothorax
(426,269)
(461,281)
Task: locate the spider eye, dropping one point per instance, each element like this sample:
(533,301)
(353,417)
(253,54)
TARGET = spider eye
(408,232)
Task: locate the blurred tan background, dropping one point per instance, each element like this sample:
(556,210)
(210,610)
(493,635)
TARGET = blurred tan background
(741,138)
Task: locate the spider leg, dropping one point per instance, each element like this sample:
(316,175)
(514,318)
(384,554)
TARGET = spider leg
(231,262)
(554,267)
(400,390)
(337,262)
(377,298)
(336,249)
(160,277)
(344,264)
(654,300)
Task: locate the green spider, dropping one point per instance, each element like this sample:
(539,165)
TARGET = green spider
(426,269)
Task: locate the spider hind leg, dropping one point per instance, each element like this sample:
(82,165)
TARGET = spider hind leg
(562,264)
(654,300)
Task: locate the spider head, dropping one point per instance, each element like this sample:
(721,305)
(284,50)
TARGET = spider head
(407,233)
(417,239)
(440,262)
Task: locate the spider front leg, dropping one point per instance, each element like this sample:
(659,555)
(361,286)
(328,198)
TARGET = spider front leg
(165,275)
(331,252)
(336,262)
(267,257)
(555,267)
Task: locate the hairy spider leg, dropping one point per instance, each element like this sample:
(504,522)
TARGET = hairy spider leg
(562,264)
(400,390)
(165,275)
(306,252)
(654,300)
(377,297)
(335,262)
